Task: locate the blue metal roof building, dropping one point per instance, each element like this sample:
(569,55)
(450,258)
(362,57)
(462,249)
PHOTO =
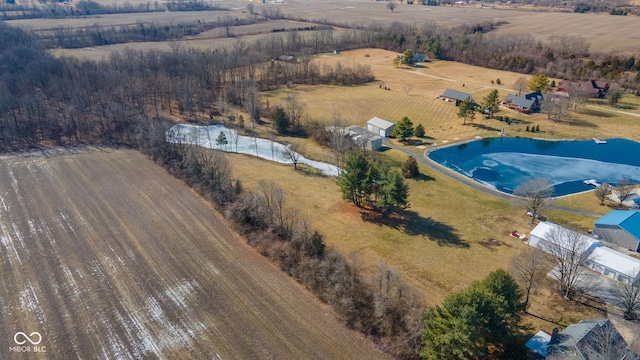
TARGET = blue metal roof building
(620,227)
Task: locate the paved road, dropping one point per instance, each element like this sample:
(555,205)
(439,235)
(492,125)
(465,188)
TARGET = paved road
(424,160)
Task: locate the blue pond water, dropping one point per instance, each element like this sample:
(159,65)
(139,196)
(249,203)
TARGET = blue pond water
(505,163)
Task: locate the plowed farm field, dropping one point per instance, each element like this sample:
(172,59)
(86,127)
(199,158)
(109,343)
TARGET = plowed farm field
(105,255)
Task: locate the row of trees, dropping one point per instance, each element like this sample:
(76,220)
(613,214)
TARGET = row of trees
(71,101)
(11,11)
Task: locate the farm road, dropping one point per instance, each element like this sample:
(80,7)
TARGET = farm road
(106,255)
(613,110)
(472,183)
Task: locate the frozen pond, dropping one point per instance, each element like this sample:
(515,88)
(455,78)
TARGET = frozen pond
(505,163)
(206,136)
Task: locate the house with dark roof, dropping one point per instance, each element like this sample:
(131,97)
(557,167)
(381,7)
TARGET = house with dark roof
(525,104)
(456,96)
(588,340)
(620,227)
(594,88)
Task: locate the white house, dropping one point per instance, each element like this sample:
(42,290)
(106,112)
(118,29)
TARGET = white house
(380,126)
(596,256)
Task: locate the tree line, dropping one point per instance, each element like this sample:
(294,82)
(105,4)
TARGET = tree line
(73,38)
(68,101)
(58,10)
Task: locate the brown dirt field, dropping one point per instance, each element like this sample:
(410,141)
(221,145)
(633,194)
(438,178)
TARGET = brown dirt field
(612,33)
(109,20)
(108,256)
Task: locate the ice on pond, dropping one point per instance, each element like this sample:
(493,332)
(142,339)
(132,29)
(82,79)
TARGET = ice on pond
(206,136)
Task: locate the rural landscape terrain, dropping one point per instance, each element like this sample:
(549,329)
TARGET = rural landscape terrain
(117,243)
(103,241)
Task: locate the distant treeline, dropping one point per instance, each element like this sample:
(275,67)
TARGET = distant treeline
(67,101)
(72,38)
(563,56)
(11,11)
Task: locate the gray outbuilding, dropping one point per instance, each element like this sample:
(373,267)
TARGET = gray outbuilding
(380,126)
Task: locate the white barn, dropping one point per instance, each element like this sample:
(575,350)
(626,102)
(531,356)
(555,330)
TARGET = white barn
(597,257)
(380,126)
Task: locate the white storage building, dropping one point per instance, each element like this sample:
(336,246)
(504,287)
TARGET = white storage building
(380,126)
(597,257)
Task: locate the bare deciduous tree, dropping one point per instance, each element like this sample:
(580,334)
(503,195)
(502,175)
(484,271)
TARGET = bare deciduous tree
(607,341)
(521,85)
(534,195)
(253,103)
(526,269)
(602,192)
(578,95)
(555,106)
(338,140)
(294,108)
(628,293)
(571,248)
(391,6)
(273,198)
(292,151)
(624,189)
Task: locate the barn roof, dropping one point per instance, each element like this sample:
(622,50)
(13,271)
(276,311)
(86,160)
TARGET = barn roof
(381,123)
(458,95)
(519,101)
(614,260)
(629,220)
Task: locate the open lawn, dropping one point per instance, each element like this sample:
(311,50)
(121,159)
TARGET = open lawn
(450,236)
(106,255)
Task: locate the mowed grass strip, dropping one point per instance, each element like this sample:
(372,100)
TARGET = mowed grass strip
(106,255)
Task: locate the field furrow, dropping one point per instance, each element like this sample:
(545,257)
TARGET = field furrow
(107,256)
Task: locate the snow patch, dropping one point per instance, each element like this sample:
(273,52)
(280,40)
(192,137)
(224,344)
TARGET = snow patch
(206,136)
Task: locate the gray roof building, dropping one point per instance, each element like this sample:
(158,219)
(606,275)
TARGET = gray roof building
(457,96)
(589,340)
(527,103)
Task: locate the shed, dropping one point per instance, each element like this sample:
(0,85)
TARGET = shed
(365,138)
(620,227)
(614,264)
(380,126)
(456,96)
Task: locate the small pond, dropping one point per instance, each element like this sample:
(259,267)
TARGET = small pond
(505,163)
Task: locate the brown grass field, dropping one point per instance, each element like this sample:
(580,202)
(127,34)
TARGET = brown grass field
(413,94)
(452,234)
(612,33)
(106,255)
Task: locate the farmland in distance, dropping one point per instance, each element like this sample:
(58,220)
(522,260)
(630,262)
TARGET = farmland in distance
(108,256)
